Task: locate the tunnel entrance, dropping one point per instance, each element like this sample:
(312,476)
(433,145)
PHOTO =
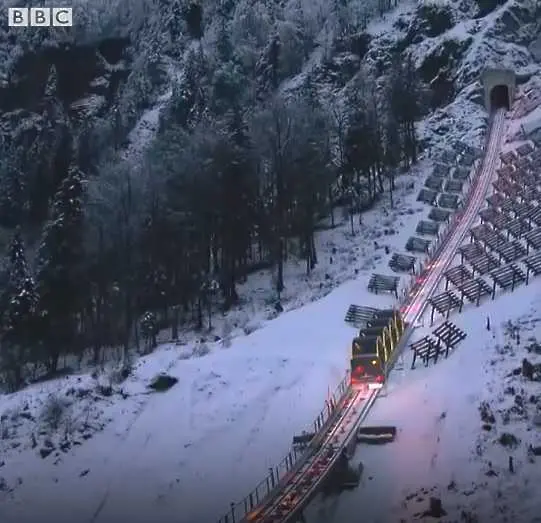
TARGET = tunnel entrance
(499,97)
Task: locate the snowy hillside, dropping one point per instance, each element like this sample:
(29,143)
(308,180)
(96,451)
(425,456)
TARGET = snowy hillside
(234,410)
(459,423)
(101,444)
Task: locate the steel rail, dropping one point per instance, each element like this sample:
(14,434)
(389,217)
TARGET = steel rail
(350,432)
(420,300)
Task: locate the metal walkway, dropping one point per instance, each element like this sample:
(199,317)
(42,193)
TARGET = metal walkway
(303,481)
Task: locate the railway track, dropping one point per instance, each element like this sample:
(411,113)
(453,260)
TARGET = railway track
(304,481)
(440,264)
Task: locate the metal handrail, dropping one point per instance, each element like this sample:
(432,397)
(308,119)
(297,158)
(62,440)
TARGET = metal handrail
(280,474)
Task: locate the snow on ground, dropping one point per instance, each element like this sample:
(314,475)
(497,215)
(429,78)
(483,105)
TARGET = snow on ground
(515,135)
(381,26)
(459,422)
(104,448)
(462,117)
(447,446)
(532,122)
(527,115)
(120,451)
(145,129)
(147,126)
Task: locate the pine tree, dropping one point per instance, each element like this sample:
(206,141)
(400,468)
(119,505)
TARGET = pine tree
(18,304)
(60,258)
(189,98)
(53,110)
(224,46)
(227,86)
(392,151)
(51,87)
(267,67)
(13,193)
(173,20)
(193,15)
(404,103)
(309,92)
(237,196)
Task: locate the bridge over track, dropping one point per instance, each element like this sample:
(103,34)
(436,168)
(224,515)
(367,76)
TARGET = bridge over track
(286,501)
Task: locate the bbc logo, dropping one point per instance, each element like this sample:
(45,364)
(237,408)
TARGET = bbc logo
(40,16)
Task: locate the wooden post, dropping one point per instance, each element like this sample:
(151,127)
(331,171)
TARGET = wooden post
(427,357)
(436,351)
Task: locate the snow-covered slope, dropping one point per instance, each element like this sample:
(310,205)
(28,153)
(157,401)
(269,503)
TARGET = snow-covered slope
(458,424)
(460,53)
(112,451)
(185,454)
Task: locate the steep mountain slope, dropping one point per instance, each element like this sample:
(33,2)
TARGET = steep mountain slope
(134,67)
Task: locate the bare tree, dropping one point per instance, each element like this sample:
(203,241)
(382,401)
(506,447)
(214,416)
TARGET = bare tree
(404,103)
(274,127)
(312,176)
(118,199)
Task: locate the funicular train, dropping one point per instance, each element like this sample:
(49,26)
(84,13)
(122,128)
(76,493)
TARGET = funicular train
(373,348)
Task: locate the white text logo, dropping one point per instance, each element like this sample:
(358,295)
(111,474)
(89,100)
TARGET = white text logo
(40,16)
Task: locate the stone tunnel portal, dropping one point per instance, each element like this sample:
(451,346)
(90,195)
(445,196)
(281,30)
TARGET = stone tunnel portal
(499,97)
(499,86)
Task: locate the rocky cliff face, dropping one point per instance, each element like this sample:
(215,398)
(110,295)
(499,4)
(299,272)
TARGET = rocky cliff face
(451,42)
(82,71)
(491,34)
(113,78)
(57,86)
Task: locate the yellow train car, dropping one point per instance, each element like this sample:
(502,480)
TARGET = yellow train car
(373,348)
